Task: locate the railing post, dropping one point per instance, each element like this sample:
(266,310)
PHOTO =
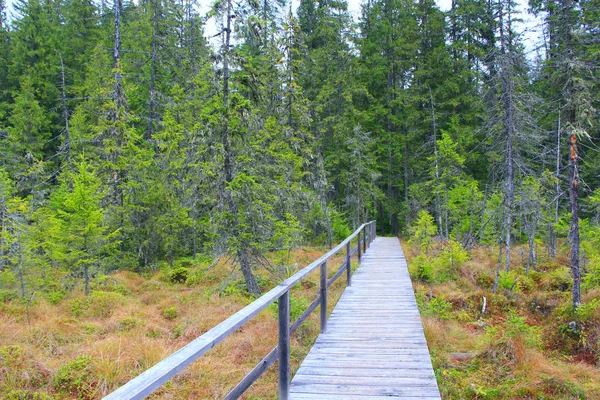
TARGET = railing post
(358,246)
(348,265)
(284,346)
(373,232)
(365,240)
(324,297)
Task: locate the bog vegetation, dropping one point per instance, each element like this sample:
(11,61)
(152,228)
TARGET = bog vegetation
(515,336)
(139,137)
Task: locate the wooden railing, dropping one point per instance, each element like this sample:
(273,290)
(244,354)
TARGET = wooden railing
(153,378)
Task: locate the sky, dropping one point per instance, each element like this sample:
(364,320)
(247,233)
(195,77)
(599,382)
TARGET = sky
(530,26)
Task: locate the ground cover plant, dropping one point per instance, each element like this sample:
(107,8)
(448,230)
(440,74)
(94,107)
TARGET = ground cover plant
(524,341)
(66,345)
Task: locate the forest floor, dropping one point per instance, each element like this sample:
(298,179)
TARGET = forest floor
(66,345)
(527,344)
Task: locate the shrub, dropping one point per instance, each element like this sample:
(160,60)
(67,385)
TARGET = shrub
(195,277)
(452,257)
(102,304)
(6,295)
(298,304)
(127,324)
(438,307)
(559,279)
(514,328)
(55,297)
(422,269)
(587,311)
(507,280)
(20,394)
(170,313)
(75,378)
(79,306)
(178,275)
(235,287)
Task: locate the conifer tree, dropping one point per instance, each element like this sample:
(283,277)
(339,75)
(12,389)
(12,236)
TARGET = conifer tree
(84,233)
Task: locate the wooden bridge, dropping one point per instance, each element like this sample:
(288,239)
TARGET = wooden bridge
(371,347)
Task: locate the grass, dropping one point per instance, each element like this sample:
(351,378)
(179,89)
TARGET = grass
(528,344)
(73,346)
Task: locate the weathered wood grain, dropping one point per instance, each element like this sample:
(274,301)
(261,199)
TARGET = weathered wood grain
(374,346)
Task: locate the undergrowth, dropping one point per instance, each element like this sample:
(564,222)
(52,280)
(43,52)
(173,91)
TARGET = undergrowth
(526,343)
(65,345)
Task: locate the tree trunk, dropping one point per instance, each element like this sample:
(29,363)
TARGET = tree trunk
(498,267)
(67,141)
(438,202)
(152,99)
(557,188)
(86,277)
(574,196)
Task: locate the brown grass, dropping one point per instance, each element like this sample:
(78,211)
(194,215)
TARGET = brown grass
(488,356)
(125,334)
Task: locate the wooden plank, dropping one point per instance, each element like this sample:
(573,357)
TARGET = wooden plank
(373,372)
(300,379)
(367,364)
(375,345)
(411,392)
(322,396)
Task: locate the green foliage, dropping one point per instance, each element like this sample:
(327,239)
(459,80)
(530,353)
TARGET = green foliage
(422,268)
(195,277)
(298,304)
(27,395)
(449,259)
(75,379)
(514,327)
(98,304)
(178,275)
(7,295)
(339,226)
(588,311)
(508,280)
(102,304)
(170,313)
(438,307)
(127,324)
(55,297)
(422,230)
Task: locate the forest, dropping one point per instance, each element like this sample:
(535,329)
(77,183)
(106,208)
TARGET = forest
(140,138)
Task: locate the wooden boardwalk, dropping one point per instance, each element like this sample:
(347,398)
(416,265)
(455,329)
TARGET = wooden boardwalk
(374,346)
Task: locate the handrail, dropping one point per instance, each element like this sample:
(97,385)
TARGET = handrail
(150,380)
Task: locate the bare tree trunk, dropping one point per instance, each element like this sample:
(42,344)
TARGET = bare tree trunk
(67,141)
(117,99)
(510,190)
(3,229)
(498,266)
(151,101)
(405,172)
(557,188)
(437,169)
(574,196)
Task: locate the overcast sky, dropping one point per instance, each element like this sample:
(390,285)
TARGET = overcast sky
(530,26)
